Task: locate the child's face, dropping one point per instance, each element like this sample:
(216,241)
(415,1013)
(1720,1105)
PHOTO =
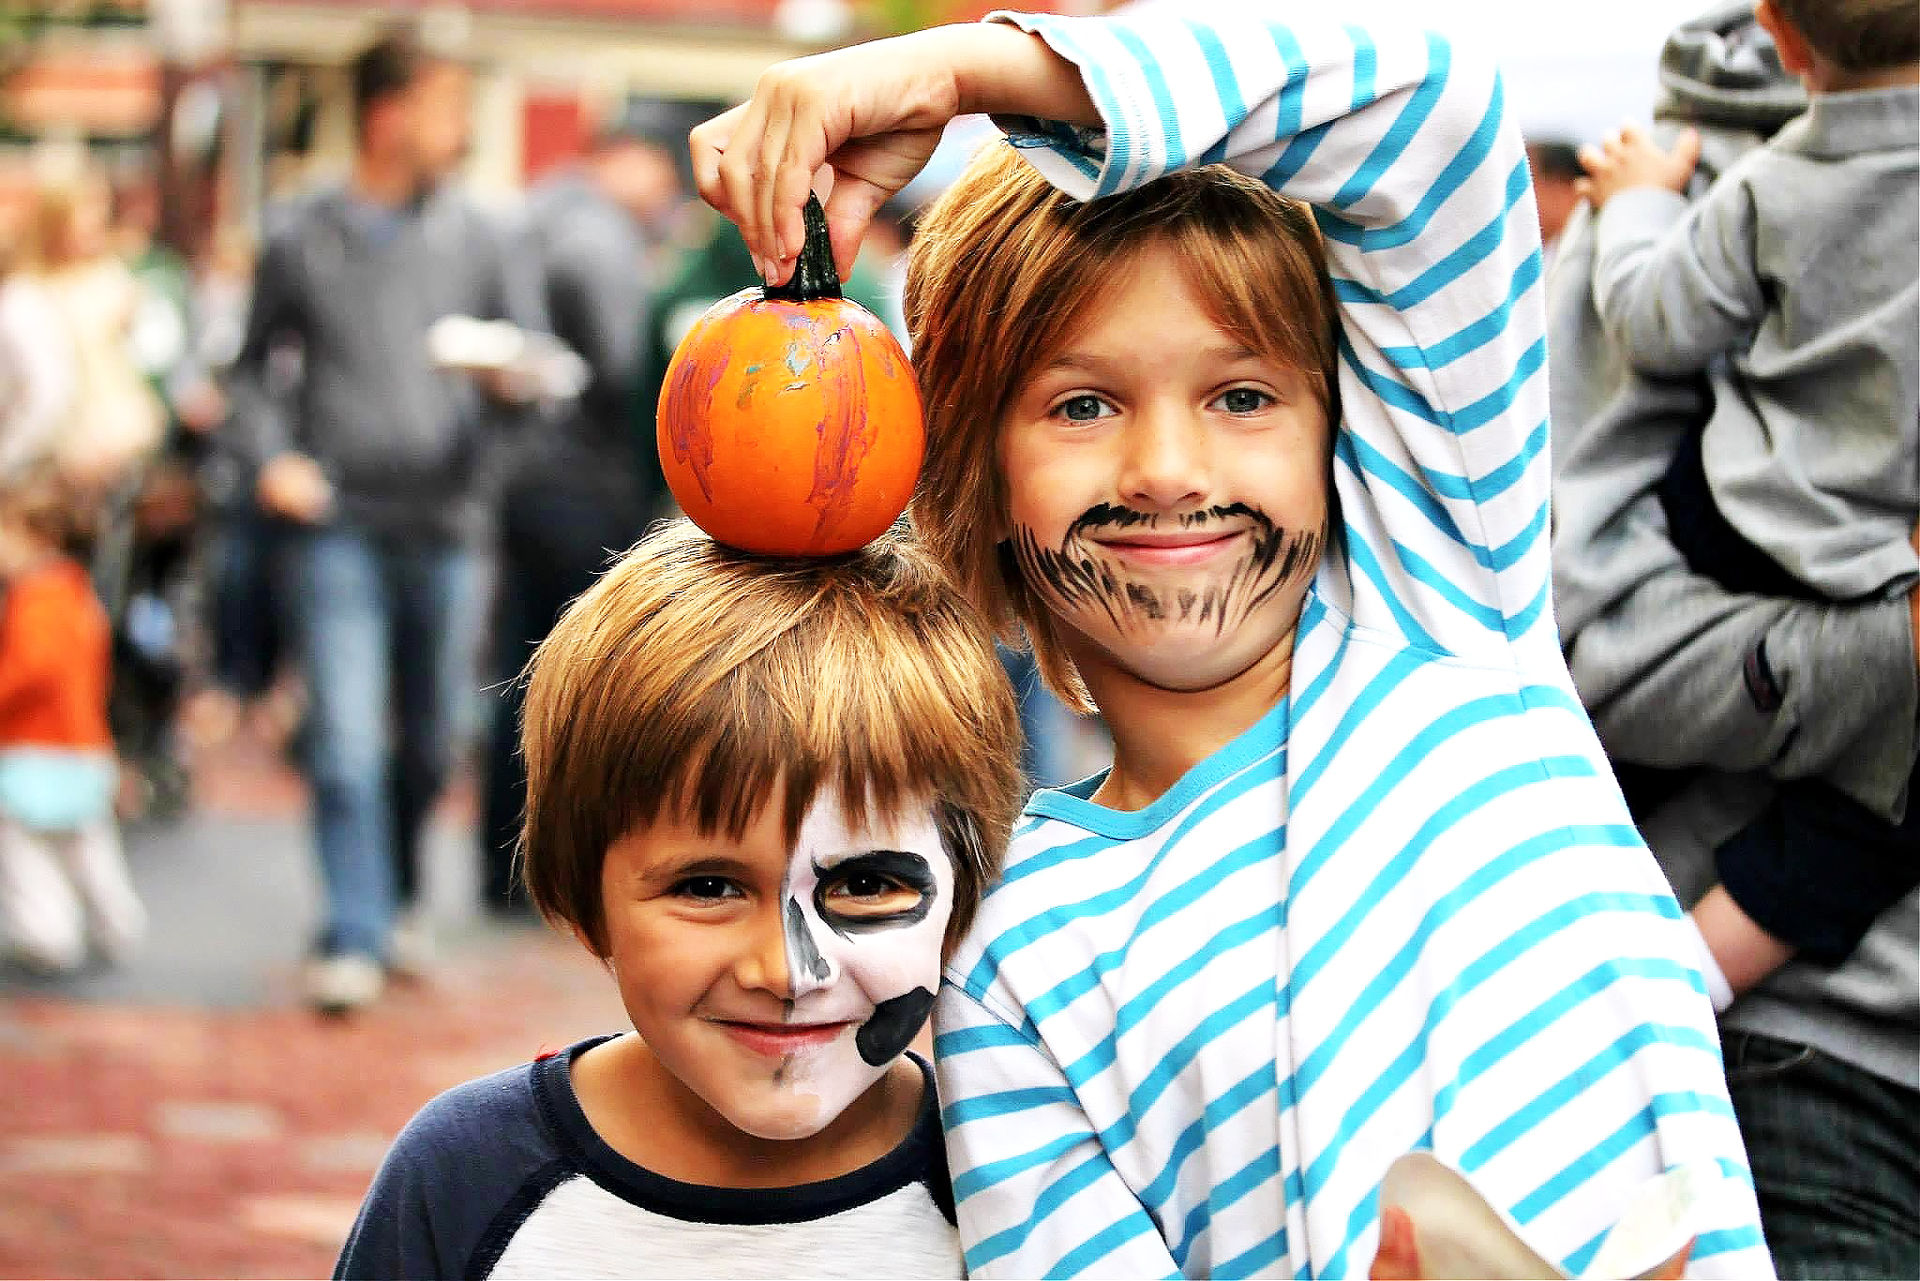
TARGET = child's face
(778,982)
(1167,487)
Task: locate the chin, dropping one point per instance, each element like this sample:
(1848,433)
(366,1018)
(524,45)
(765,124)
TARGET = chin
(1187,658)
(780,1122)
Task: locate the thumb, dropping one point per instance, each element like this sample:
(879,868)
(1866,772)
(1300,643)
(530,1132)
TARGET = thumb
(1686,149)
(1675,1268)
(850,208)
(1397,1258)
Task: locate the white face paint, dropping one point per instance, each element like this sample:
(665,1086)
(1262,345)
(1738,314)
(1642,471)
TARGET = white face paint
(779,980)
(865,912)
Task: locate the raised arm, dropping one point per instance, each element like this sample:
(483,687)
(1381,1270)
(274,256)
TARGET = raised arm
(1399,139)
(1678,286)
(1423,196)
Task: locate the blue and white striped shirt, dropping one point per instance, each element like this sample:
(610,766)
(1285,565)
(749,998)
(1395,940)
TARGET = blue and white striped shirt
(1408,908)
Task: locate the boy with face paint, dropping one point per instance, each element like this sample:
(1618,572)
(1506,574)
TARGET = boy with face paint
(767,794)
(1236,393)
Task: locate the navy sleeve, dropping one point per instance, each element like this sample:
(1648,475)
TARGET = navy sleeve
(1816,868)
(466,1159)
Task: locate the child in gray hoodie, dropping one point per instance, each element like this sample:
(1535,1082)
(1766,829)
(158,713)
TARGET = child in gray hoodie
(1803,264)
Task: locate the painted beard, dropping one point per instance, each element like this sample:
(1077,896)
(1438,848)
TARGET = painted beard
(1080,577)
(875,970)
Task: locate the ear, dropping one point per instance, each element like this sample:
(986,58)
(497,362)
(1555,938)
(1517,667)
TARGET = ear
(1796,55)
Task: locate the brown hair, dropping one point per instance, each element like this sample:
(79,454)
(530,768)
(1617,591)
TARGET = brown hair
(397,57)
(1857,35)
(42,502)
(695,681)
(1003,270)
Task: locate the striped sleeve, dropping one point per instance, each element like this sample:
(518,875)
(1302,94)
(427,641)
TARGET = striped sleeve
(1054,1206)
(1399,140)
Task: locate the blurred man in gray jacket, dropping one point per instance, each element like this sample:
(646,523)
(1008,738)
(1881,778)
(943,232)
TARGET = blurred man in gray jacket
(384,477)
(576,492)
(1728,696)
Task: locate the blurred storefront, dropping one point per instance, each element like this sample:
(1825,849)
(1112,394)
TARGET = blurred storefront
(237,102)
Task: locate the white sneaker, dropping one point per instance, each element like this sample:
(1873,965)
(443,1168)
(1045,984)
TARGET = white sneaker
(410,947)
(344,982)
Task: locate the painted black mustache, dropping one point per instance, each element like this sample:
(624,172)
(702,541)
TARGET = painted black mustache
(1107,515)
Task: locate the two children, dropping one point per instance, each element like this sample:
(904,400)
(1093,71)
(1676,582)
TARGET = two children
(1359,881)
(767,796)
(64,887)
(1802,263)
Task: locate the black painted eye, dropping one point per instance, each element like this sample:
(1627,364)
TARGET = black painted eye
(869,896)
(878,890)
(1243,400)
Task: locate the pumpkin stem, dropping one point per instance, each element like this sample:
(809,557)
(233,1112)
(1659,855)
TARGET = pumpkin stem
(813,275)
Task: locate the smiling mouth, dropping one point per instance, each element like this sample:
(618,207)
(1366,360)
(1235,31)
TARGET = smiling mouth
(1181,547)
(777,1040)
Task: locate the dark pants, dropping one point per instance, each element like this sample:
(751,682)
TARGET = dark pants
(553,545)
(384,630)
(1816,867)
(1836,1160)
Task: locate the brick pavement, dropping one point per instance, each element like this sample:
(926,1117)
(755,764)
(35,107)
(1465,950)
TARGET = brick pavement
(159,1139)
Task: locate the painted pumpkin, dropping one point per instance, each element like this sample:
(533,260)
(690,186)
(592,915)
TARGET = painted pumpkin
(789,420)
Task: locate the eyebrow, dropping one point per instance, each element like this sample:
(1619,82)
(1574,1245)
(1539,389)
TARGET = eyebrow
(1079,360)
(708,865)
(834,862)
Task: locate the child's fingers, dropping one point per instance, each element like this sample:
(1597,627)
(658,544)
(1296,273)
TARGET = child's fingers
(1583,188)
(1592,158)
(740,177)
(706,147)
(1397,1257)
(774,159)
(1686,149)
(850,208)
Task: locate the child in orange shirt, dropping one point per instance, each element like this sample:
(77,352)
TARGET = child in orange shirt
(63,877)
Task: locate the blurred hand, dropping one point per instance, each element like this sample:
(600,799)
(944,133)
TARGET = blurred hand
(1628,158)
(201,407)
(510,387)
(1397,1258)
(293,486)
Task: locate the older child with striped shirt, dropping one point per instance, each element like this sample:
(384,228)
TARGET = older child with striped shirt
(1265,482)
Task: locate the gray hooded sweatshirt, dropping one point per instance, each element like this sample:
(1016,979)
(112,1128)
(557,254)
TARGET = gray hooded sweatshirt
(413,452)
(1681,674)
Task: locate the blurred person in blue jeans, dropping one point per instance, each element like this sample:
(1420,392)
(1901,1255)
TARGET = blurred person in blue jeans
(383,477)
(1737,707)
(576,495)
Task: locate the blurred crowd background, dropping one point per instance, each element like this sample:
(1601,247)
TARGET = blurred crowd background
(290,657)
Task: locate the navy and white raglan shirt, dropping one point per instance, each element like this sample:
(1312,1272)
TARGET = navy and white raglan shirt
(1408,908)
(504,1177)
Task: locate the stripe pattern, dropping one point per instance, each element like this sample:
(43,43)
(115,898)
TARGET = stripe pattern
(1408,908)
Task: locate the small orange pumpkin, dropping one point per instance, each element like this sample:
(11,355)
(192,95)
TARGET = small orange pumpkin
(789,421)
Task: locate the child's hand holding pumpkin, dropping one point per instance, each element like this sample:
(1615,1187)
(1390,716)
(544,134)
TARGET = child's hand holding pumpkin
(869,116)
